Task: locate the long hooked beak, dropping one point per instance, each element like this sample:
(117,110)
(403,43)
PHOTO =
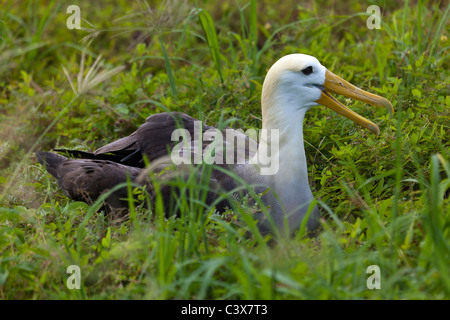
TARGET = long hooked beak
(336,84)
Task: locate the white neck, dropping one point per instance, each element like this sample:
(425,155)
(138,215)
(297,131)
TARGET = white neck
(290,183)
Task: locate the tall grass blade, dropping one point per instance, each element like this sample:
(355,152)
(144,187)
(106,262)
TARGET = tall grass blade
(207,24)
(170,74)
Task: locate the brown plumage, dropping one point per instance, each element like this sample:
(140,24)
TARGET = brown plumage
(95,173)
(87,179)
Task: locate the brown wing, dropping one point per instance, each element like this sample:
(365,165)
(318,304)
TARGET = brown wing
(87,179)
(154,140)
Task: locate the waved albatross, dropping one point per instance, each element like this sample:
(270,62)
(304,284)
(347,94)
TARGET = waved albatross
(293,85)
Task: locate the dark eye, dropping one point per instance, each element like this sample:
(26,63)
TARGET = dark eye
(308,70)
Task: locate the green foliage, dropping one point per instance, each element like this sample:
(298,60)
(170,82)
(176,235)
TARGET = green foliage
(384,200)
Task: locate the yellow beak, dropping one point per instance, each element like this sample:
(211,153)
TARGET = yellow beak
(336,84)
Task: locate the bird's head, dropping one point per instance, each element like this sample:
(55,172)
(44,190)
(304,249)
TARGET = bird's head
(297,82)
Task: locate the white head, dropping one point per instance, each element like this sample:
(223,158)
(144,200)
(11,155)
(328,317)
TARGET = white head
(297,82)
(295,78)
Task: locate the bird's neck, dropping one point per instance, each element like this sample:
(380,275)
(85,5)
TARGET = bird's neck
(290,181)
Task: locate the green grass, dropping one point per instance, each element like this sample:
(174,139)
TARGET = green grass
(384,200)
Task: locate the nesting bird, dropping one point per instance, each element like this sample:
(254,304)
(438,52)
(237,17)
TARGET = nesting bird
(293,85)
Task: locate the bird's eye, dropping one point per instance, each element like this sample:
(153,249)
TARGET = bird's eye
(308,70)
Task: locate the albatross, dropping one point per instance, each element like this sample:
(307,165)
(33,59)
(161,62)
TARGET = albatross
(293,85)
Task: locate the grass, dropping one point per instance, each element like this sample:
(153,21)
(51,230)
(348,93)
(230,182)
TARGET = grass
(384,200)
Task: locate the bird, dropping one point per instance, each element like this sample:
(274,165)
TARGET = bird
(293,84)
